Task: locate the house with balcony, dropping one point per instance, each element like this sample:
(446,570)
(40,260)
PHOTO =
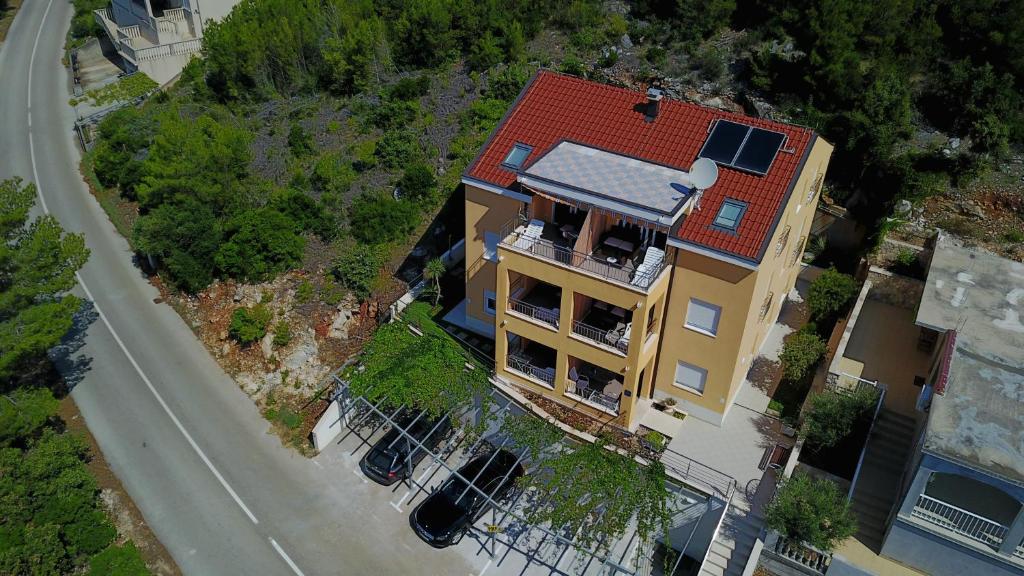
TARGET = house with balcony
(159,37)
(623,248)
(960,508)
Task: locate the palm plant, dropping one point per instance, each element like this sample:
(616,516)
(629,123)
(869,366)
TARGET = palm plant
(434,270)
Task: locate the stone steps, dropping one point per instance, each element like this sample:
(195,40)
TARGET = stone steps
(731,548)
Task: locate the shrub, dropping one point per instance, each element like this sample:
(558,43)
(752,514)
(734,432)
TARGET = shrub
(832,415)
(656,440)
(289,418)
(1014,236)
(304,293)
(306,212)
(573,66)
(830,293)
(397,148)
(332,174)
(282,334)
(24,412)
(906,257)
(417,182)
(799,354)
(410,88)
(505,85)
(378,218)
(299,141)
(118,561)
(249,324)
(358,268)
(608,58)
(259,244)
(811,510)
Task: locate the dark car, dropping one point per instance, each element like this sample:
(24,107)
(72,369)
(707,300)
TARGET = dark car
(443,518)
(386,464)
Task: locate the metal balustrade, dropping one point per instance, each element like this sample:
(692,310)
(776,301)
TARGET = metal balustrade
(545,315)
(523,366)
(960,521)
(596,397)
(605,337)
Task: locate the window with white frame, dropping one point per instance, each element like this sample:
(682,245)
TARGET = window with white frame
(690,377)
(491,246)
(703,317)
(490,302)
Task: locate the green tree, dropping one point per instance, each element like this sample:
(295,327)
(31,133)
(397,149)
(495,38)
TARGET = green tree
(433,272)
(424,30)
(417,182)
(832,415)
(379,219)
(811,510)
(23,412)
(358,268)
(350,61)
(38,263)
(184,235)
(259,244)
(118,561)
(830,293)
(800,352)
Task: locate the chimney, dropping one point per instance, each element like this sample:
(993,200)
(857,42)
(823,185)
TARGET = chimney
(654,96)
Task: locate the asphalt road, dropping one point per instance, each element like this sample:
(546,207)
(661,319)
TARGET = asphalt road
(191,449)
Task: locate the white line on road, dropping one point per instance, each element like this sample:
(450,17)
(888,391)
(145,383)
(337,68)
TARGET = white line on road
(117,338)
(280,551)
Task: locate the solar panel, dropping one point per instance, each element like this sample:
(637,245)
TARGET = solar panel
(759,150)
(743,147)
(724,141)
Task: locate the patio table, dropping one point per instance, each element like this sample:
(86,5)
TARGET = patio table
(613,389)
(624,245)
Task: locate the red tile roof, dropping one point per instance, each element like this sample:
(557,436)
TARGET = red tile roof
(555,107)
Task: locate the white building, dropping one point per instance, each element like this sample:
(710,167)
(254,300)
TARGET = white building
(159,37)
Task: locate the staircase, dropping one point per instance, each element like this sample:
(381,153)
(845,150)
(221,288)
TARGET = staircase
(731,548)
(877,488)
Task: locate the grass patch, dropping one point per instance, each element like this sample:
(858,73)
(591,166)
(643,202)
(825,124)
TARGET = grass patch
(7,17)
(127,88)
(120,212)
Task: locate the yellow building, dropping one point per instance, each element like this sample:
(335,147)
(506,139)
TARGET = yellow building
(624,248)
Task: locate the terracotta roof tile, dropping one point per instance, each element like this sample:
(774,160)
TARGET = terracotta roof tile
(555,107)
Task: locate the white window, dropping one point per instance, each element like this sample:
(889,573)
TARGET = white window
(491,246)
(691,377)
(703,317)
(490,302)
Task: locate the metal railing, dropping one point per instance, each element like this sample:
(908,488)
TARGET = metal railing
(849,384)
(698,475)
(1019,550)
(524,367)
(604,337)
(183,48)
(596,397)
(639,280)
(960,521)
(545,315)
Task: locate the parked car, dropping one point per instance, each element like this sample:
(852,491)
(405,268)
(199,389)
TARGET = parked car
(386,464)
(443,518)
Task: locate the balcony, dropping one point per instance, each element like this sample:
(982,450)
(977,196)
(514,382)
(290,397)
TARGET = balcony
(531,360)
(594,386)
(603,324)
(534,299)
(959,521)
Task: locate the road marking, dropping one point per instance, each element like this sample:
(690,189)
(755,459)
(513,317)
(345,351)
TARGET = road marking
(486,566)
(419,482)
(281,552)
(317,464)
(360,475)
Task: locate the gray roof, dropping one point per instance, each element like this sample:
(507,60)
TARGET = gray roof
(979,420)
(613,176)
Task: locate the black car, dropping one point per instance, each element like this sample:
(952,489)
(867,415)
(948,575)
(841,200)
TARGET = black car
(443,518)
(386,464)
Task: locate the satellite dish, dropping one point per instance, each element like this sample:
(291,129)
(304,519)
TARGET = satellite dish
(703,173)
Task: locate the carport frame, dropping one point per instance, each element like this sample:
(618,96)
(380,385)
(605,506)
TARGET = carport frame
(347,403)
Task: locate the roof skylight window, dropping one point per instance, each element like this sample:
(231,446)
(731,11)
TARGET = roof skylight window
(516,156)
(729,215)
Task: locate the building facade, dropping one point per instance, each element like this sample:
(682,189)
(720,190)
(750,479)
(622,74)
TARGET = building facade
(623,248)
(159,37)
(961,505)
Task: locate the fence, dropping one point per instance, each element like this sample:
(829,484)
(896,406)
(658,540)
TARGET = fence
(525,367)
(606,337)
(967,524)
(544,315)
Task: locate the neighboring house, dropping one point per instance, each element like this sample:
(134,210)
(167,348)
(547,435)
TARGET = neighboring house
(159,37)
(960,505)
(625,248)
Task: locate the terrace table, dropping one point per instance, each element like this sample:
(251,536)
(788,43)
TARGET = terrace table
(613,389)
(624,245)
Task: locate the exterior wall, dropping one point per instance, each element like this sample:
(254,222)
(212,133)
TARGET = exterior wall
(640,352)
(741,293)
(485,212)
(933,554)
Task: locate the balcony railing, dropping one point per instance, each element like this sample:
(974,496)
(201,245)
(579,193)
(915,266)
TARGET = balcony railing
(596,397)
(545,315)
(960,521)
(524,367)
(604,337)
(639,279)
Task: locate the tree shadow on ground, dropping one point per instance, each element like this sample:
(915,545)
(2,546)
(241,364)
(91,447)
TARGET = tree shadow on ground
(66,356)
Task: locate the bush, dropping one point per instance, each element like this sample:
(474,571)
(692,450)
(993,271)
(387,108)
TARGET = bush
(249,324)
(306,212)
(811,510)
(656,440)
(507,84)
(24,412)
(282,334)
(832,415)
(830,293)
(299,141)
(397,148)
(573,66)
(333,175)
(184,235)
(118,561)
(358,268)
(259,244)
(800,353)
(379,219)
(410,88)
(417,182)
(305,292)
